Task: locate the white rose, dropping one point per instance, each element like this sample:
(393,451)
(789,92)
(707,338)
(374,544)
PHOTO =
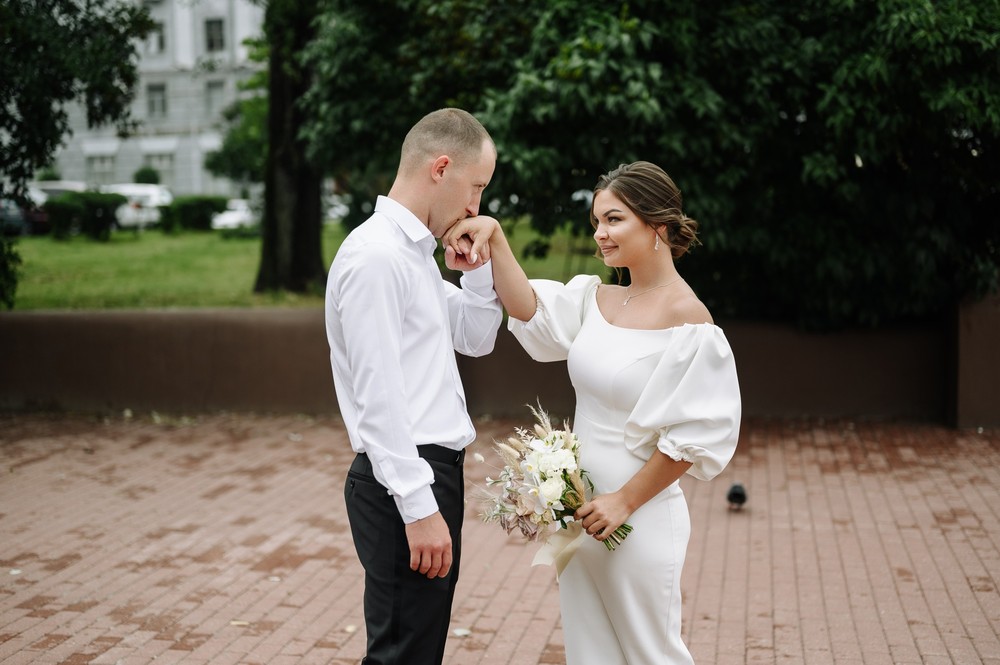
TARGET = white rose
(556,462)
(551,491)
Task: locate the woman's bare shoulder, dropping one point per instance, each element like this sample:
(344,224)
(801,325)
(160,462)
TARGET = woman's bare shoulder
(689,309)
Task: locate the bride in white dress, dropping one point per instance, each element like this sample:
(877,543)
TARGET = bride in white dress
(657,397)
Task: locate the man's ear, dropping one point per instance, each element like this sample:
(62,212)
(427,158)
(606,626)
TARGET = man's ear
(438,167)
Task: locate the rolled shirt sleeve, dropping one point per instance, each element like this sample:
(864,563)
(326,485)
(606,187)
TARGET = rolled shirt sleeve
(474,312)
(371,291)
(394,326)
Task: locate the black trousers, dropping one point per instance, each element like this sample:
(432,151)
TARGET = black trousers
(406,614)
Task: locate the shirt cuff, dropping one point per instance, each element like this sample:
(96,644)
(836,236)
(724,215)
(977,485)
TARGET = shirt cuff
(417,506)
(479,280)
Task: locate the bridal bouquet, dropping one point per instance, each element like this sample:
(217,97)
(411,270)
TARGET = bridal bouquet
(541,483)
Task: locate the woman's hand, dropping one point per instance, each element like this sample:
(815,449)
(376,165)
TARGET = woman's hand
(606,512)
(462,260)
(469,239)
(603,514)
(481,238)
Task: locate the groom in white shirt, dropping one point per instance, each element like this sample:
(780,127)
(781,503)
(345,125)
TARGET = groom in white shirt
(394,325)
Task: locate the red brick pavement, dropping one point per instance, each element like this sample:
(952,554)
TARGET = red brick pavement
(222,539)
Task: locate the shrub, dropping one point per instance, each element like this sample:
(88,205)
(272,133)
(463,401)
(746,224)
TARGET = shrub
(147,175)
(192,212)
(65,213)
(99,213)
(48,173)
(90,213)
(9,262)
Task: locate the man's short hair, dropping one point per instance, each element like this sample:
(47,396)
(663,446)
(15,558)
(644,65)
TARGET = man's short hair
(447,131)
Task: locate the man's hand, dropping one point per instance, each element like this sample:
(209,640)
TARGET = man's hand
(430,546)
(469,242)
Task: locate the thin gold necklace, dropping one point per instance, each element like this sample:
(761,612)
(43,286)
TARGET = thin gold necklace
(653,288)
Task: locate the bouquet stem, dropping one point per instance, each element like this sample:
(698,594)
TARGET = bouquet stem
(617,536)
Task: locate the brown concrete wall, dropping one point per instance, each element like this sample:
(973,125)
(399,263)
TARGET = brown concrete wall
(897,374)
(171,361)
(977,384)
(276,360)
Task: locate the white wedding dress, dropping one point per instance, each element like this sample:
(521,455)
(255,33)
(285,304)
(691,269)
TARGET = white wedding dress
(637,391)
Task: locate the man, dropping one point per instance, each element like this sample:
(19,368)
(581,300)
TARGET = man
(394,325)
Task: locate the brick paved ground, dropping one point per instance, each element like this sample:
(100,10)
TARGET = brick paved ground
(223,540)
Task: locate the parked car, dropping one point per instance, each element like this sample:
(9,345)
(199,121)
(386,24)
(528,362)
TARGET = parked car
(143,206)
(12,222)
(33,219)
(34,214)
(237,214)
(50,188)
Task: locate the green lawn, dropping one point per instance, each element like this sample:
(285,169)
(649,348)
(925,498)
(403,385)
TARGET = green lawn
(204,269)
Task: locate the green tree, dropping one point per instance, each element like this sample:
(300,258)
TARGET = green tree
(243,152)
(56,52)
(53,53)
(843,158)
(146,175)
(291,251)
(383,64)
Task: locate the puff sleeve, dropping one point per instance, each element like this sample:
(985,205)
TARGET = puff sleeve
(690,410)
(558,317)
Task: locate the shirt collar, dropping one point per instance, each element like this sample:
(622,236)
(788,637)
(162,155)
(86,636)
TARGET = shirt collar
(414,229)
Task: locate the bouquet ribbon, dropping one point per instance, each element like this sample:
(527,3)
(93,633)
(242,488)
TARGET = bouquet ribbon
(560,547)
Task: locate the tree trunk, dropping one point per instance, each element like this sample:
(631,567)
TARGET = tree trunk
(291,251)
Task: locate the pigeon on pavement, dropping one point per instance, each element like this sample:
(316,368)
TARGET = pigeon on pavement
(736,496)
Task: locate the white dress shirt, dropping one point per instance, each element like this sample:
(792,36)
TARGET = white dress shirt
(394,325)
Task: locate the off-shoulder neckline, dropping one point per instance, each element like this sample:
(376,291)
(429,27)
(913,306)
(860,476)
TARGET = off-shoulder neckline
(601,316)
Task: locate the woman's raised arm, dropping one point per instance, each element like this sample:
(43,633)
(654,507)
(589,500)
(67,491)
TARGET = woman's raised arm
(509,280)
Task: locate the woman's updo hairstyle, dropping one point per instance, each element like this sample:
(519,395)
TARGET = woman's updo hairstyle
(651,194)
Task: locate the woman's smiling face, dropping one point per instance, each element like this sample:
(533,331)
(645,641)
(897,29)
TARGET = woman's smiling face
(621,236)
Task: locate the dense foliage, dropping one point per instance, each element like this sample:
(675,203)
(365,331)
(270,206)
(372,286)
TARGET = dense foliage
(843,158)
(242,154)
(89,213)
(56,52)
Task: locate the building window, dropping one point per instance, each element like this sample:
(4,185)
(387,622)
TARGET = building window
(100,169)
(156,42)
(156,96)
(215,92)
(163,163)
(215,38)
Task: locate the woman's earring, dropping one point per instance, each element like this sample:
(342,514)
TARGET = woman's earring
(657,245)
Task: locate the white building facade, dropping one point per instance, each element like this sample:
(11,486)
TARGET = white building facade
(189,70)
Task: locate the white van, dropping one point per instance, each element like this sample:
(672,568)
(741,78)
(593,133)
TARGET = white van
(46,189)
(144,202)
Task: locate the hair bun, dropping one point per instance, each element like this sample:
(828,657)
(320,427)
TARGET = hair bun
(684,234)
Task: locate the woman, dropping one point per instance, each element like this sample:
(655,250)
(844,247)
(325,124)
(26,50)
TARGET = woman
(657,397)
